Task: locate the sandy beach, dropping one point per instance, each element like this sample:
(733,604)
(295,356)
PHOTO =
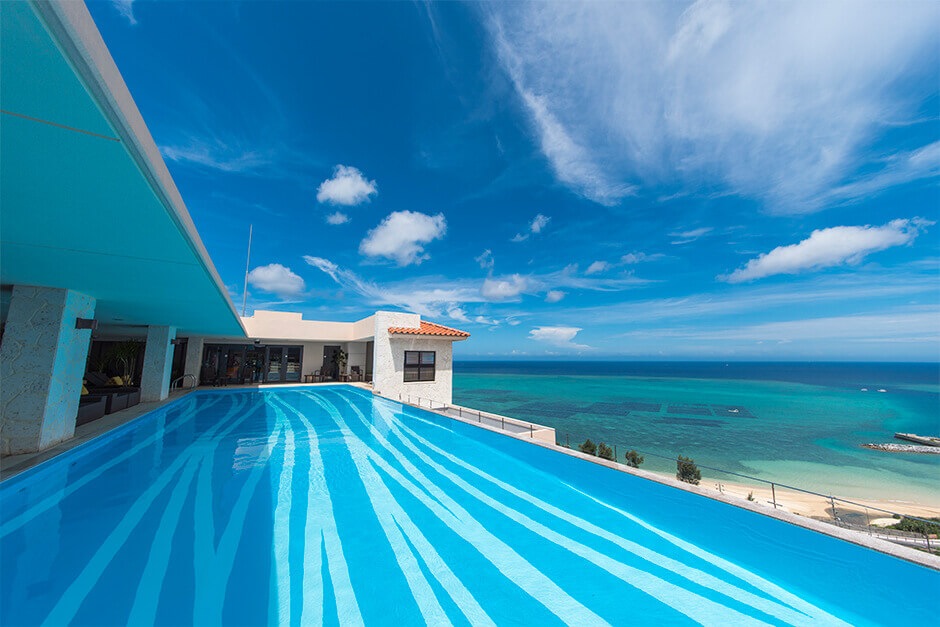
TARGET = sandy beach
(820,507)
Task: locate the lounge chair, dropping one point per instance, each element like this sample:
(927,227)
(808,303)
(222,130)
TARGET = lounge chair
(118,396)
(91,407)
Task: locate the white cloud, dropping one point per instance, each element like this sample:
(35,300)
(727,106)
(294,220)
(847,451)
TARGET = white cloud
(824,248)
(276,279)
(553,296)
(485,259)
(401,237)
(782,102)
(538,223)
(347,187)
(217,155)
(684,237)
(597,266)
(337,217)
(557,336)
(508,288)
(437,296)
(637,257)
(125,8)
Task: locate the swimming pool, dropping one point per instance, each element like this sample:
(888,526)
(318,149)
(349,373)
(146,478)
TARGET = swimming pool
(328,505)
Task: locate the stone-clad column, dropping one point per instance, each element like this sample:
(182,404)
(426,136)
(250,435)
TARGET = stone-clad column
(158,362)
(193,364)
(42,360)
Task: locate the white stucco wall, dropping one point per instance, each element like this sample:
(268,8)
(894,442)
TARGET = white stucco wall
(389,360)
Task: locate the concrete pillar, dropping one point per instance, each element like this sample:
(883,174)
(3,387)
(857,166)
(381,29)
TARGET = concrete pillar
(42,361)
(193,364)
(158,362)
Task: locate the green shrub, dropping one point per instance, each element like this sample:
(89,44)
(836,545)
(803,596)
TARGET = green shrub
(634,459)
(917,526)
(687,471)
(588,447)
(605,452)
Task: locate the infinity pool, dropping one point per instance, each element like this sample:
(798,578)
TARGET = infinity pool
(302,506)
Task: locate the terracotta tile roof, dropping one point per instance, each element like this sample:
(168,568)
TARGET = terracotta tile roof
(429,328)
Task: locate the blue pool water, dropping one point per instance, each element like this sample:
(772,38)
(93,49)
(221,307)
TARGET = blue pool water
(326,505)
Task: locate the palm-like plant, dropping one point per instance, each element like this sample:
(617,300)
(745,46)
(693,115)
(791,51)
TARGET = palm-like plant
(125,355)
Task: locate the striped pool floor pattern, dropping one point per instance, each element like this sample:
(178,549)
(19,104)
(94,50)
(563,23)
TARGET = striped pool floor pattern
(303,506)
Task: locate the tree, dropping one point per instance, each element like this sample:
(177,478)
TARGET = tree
(687,471)
(605,452)
(634,459)
(588,447)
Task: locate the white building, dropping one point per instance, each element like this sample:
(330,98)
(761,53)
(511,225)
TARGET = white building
(399,353)
(98,247)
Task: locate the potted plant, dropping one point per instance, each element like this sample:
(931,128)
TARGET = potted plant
(340,361)
(124,354)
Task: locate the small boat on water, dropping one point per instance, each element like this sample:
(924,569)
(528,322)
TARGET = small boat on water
(882,390)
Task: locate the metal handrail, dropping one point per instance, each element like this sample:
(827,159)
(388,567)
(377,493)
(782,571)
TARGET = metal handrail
(832,499)
(178,381)
(773,484)
(460,412)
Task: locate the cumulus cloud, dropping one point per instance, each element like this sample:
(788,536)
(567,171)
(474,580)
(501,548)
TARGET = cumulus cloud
(346,187)
(276,279)
(337,217)
(824,248)
(538,223)
(553,296)
(782,102)
(557,336)
(401,237)
(597,266)
(504,289)
(485,259)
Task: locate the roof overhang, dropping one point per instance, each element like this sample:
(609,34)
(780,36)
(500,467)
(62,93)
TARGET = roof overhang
(86,201)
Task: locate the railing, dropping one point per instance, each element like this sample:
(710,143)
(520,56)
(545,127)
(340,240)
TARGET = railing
(491,420)
(178,382)
(910,538)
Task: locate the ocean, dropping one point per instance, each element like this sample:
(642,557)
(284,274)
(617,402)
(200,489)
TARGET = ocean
(800,424)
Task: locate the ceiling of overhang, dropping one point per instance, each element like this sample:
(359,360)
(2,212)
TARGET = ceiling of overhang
(76,211)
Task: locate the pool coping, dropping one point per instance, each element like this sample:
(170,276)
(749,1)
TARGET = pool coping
(859,538)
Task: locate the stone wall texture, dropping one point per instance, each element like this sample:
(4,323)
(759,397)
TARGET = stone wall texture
(42,360)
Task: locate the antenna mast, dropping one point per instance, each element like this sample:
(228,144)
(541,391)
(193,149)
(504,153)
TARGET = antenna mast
(247,265)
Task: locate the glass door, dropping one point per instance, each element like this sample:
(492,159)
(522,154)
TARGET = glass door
(275,362)
(292,360)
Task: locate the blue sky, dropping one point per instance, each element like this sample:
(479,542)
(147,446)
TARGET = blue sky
(612,180)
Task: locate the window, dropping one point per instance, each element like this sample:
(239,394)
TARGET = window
(419,366)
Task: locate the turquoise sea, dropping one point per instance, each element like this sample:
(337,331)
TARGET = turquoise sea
(798,424)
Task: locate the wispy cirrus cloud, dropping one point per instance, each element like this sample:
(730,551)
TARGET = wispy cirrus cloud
(779,102)
(216,155)
(436,296)
(126,9)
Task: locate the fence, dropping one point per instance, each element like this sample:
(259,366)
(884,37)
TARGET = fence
(853,515)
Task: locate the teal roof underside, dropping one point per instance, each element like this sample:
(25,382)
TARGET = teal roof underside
(78,209)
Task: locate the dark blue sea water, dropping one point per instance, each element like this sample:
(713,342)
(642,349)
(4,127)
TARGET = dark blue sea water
(798,423)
